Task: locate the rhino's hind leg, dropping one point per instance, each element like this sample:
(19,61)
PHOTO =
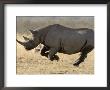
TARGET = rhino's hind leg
(84,53)
(52,55)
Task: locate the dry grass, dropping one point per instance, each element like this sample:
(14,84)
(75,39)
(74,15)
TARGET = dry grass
(31,63)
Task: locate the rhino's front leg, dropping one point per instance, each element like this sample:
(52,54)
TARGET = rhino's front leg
(52,52)
(44,51)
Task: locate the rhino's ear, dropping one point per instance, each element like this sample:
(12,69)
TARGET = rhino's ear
(33,32)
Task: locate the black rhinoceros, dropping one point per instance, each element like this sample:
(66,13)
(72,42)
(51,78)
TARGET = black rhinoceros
(58,38)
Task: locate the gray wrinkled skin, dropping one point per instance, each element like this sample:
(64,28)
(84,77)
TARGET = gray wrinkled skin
(58,38)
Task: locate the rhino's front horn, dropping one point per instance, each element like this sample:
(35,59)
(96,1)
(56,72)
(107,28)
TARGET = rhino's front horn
(25,38)
(22,43)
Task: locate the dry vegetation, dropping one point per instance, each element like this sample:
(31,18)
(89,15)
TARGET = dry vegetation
(31,62)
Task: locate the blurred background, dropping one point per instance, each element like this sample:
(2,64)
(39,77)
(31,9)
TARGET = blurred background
(24,23)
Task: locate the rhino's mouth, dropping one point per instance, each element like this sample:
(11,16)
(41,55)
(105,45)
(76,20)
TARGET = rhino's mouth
(30,46)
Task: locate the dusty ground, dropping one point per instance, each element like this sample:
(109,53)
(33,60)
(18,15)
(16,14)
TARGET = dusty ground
(32,63)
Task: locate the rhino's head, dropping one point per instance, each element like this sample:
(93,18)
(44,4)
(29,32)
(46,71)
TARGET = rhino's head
(30,43)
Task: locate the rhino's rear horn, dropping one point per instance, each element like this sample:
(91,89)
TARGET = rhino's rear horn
(32,31)
(25,38)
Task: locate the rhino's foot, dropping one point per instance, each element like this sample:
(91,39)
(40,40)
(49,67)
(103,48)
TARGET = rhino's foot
(77,63)
(45,54)
(55,57)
